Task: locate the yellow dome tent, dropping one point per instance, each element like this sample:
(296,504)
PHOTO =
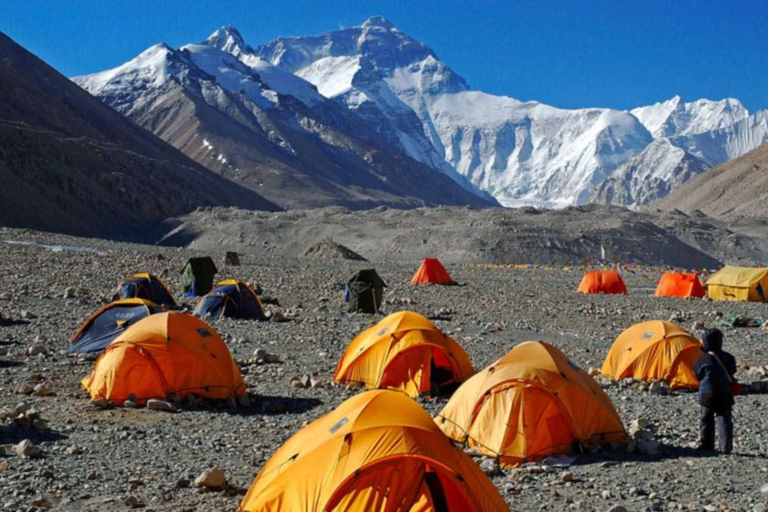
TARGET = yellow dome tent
(739,284)
(406,352)
(654,351)
(530,404)
(377,451)
(166,353)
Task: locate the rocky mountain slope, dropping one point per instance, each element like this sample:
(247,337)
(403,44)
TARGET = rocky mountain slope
(738,188)
(68,163)
(569,236)
(520,152)
(268,129)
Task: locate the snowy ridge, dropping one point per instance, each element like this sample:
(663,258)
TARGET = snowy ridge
(674,117)
(521,153)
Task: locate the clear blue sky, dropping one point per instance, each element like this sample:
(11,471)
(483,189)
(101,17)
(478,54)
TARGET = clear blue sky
(569,53)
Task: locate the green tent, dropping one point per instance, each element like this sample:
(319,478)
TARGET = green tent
(197,276)
(364,292)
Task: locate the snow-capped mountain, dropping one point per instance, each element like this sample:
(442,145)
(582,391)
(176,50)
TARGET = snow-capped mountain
(377,96)
(522,153)
(267,128)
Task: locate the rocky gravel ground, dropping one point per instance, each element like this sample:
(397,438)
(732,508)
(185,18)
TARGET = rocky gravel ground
(78,457)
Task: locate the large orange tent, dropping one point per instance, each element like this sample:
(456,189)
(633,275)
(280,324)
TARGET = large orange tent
(163,354)
(405,351)
(602,281)
(654,351)
(676,284)
(531,403)
(377,451)
(431,271)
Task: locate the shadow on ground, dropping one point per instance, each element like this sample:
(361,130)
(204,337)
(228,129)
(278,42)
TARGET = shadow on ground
(13,434)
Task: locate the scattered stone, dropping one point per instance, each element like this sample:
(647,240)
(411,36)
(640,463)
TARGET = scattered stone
(27,315)
(262,356)
(213,478)
(566,476)
(42,390)
(132,501)
(101,403)
(490,466)
(27,450)
(659,388)
(160,405)
(25,389)
(37,350)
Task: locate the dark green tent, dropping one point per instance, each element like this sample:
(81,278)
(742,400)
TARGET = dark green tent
(197,276)
(364,292)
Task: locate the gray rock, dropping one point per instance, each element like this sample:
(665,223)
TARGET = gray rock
(160,405)
(213,478)
(27,450)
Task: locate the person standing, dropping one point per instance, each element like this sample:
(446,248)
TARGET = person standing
(715,370)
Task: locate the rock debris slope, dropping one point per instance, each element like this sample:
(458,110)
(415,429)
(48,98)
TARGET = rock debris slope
(69,163)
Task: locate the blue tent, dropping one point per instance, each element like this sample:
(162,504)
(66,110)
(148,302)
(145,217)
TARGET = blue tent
(110,322)
(233,299)
(145,286)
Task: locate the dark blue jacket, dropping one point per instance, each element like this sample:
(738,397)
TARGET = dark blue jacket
(714,385)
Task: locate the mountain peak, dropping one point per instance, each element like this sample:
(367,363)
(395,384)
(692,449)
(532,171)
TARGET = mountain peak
(379,22)
(226,38)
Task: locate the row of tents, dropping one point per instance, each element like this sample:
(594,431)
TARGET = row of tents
(531,403)
(729,283)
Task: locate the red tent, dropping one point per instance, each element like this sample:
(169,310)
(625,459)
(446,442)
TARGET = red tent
(676,284)
(606,281)
(431,271)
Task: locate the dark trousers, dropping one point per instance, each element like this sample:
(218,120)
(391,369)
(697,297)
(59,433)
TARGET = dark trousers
(720,414)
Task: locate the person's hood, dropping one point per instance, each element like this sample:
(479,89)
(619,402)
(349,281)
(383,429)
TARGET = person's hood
(712,344)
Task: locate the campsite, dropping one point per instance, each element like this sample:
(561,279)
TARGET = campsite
(136,457)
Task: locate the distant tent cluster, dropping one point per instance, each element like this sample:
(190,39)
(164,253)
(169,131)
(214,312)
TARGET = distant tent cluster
(729,283)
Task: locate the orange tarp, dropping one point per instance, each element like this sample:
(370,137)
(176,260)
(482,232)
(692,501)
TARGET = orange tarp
(166,353)
(377,451)
(402,352)
(675,284)
(531,403)
(431,271)
(654,351)
(605,281)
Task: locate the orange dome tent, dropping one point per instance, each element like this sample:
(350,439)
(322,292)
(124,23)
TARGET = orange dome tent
(406,352)
(166,353)
(602,281)
(676,284)
(431,271)
(654,351)
(377,451)
(530,404)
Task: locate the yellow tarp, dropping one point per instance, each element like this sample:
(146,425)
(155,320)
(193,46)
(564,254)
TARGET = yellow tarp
(377,451)
(739,284)
(530,404)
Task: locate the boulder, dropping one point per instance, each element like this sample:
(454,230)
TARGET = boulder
(160,405)
(213,478)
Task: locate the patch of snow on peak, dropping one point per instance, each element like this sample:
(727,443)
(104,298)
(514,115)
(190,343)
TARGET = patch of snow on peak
(332,75)
(151,68)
